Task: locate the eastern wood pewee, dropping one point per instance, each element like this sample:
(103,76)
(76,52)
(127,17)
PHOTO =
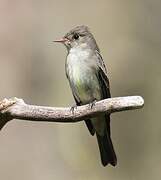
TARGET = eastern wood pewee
(88,80)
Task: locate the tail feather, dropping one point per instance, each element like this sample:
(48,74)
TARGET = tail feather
(106,149)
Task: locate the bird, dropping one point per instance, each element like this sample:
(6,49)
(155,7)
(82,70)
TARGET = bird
(88,80)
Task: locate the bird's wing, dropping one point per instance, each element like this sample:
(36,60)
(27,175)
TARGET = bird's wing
(102,77)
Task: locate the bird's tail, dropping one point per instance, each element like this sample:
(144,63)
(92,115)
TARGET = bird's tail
(106,147)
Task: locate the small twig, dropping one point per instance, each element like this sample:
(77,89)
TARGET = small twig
(15,108)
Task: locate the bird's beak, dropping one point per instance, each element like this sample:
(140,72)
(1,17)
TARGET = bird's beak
(62,40)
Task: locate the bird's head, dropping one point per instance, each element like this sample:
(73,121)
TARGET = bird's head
(80,36)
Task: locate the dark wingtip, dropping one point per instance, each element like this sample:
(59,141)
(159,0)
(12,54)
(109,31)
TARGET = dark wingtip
(90,127)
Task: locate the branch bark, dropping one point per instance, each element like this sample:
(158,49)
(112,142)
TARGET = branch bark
(15,108)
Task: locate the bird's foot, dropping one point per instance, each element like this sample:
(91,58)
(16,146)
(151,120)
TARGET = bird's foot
(73,108)
(92,103)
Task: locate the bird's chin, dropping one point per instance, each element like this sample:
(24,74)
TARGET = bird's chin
(67,44)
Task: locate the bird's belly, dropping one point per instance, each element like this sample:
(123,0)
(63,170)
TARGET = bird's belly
(86,85)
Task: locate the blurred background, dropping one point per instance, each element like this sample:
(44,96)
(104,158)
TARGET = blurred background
(32,67)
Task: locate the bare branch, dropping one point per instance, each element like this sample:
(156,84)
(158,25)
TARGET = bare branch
(15,108)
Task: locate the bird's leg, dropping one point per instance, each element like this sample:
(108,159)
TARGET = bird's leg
(73,107)
(91,104)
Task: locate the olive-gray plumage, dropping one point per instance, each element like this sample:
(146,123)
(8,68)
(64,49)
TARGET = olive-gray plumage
(88,80)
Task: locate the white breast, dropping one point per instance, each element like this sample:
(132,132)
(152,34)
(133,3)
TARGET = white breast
(82,78)
(77,55)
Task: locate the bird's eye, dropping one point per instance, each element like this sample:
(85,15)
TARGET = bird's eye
(75,36)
